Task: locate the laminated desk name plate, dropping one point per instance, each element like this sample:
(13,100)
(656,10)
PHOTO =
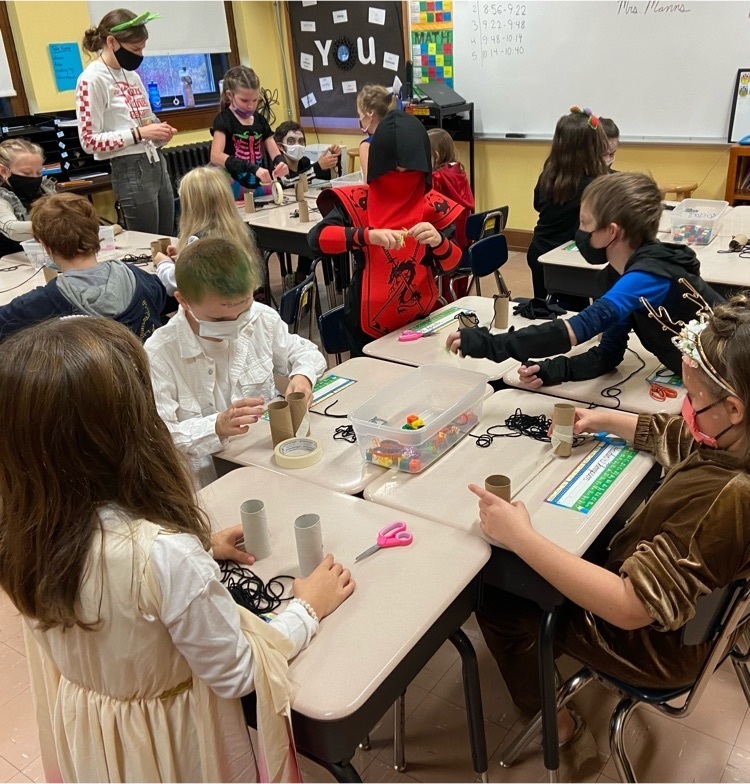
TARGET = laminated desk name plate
(325,387)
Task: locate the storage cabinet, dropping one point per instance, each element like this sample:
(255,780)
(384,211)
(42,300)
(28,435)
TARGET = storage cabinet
(738,176)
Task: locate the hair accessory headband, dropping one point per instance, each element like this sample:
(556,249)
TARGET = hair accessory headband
(139,20)
(593,119)
(687,337)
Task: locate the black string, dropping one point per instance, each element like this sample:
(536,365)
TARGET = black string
(324,412)
(519,424)
(345,433)
(11,269)
(250,592)
(268,99)
(614,391)
(12,288)
(140,261)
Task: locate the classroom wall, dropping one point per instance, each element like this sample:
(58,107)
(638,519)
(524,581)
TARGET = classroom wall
(506,171)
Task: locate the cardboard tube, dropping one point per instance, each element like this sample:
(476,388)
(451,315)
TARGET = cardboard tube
(160,246)
(300,189)
(309,538)
(502,305)
(280,419)
(738,242)
(300,417)
(255,529)
(563,417)
(304,211)
(249,203)
(498,485)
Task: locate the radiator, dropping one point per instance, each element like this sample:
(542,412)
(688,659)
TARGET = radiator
(181,159)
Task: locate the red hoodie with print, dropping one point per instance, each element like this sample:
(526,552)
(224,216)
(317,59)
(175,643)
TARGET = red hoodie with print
(450,180)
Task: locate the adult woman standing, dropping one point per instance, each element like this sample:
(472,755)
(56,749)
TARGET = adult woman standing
(115,121)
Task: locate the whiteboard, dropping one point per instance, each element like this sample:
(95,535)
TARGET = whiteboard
(660,70)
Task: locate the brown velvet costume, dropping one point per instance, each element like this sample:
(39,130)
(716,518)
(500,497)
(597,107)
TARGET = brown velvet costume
(692,537)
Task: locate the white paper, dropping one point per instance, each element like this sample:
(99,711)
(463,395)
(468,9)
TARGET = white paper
(307,27)
(305,3)
(414,5)
(390,61)
(326,83)
(340,16)
(305,102)
(349,87)
(416,50)
(311,101)
(376,16)
(306,61)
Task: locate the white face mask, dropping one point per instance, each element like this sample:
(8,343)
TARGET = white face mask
(221,330)
(294,151)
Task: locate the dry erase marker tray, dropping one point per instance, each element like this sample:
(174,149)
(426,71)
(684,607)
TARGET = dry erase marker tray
(418,418)
(697,221)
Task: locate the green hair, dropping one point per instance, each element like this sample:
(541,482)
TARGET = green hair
(214,266)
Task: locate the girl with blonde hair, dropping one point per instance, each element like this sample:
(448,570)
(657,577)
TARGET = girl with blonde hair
(373,103)
(207,209)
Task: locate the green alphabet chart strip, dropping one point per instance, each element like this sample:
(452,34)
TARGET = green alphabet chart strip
(591,478)
(438,321)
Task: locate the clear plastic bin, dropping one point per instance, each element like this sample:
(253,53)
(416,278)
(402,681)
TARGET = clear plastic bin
(107,238)
(697,221)
(447,400)
(35,254)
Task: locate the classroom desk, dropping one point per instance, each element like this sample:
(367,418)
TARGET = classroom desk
(276,230)
(534,474)
(405,606)
(432,351)
(635,392)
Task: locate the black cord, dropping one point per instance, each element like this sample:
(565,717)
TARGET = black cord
(12,288)
(140,261)
(614,391)
(11,269)
(519,424)
(324,412)
(269,99)
(250,592)
(345,433)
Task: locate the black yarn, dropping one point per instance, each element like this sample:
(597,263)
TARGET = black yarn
(268,99)
(614,391)
(249,591)
(140,261)
(324,412)
(519,424)
(345,433)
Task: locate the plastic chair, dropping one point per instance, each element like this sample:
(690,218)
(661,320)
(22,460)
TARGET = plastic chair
(486,256)
(334,336)
(718,616)
(300,301)
(478,226)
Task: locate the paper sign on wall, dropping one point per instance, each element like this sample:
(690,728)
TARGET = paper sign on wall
(326,83)
(349,87)
(340,16)
(390,61)
(306,61)
(307,27)
(376,16)
(66,64)
(305,3)
(308,100)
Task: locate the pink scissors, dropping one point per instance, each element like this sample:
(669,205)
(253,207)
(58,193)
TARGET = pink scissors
(393,535)
(410,334)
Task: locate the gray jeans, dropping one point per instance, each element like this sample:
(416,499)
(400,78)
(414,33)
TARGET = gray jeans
(144,192)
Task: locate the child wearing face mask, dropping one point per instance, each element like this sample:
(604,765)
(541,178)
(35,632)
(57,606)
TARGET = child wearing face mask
(116,123)
(22,184)
(618,224)
(241,136)
(290,138)
(373,103)
(213,364)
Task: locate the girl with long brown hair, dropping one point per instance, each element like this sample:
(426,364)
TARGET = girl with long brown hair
(105,552)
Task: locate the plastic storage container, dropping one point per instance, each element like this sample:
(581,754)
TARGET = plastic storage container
(35,254)
(697,221)
(107,238)
(448,401)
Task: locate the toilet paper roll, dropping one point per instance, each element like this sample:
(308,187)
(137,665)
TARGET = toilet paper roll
(304,211)
(160,246)
(249,203)
(255,529)
(309,537)
(563,417)
(300,189)
(502,306)
(280,419)
(498,485)
(300,415)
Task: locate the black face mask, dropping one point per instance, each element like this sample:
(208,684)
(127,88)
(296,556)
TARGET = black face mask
(590,254)
(127,59)
(26,188)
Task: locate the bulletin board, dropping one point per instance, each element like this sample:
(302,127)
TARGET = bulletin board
(337,47)
(432,40)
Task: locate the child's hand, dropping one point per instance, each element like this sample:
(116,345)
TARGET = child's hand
(281,170)
(505,523)
(587,420)
(453,342)
(386,238)
(328,159)
(300,384)
(264,176)
(426,234)
(239,416)
(328,587)
(527,375)
(172,251)
(159,258)
(224,546)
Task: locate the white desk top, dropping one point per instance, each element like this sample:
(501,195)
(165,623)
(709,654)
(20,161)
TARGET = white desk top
(440,491)
(431,350)
(400,591)
(280,217)
(635,392)
(342,467)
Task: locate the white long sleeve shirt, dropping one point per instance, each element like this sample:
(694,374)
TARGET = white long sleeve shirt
(109,102)
(185,380)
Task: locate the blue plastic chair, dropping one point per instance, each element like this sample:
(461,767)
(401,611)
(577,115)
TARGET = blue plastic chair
(300,301)
(334,336)
(486,256)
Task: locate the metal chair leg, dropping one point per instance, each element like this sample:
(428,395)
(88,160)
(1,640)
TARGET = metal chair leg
(617,739)
(399,734)
(365,745)
(478,285)
(744,678)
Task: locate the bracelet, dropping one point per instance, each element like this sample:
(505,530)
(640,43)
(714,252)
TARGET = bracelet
(308,608)
(140,135)
(133,134)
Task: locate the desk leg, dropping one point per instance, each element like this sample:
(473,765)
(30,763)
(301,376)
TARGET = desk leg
(399,734)
(473,696)
(548,689)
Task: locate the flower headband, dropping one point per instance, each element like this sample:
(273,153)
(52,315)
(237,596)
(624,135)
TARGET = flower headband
(687,337)
(593,119)
(139,20)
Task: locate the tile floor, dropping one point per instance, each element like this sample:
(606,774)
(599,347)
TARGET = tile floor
(712,745)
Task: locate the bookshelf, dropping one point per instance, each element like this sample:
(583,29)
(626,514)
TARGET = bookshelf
(738,176)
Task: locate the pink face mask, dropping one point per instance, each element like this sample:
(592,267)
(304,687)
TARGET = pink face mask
(689,414)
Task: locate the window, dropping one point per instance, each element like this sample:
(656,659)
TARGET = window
(205,70)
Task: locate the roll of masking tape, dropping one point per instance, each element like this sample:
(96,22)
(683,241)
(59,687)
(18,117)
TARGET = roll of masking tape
(297,453)
(278,193)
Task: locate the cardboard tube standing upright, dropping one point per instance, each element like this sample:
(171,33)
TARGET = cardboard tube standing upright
(309,538)
(563,417)
(300,189)
(304,211)
(255,529)
(498,485)
(300,416)
(160,246)
(280,419)
(249,203)
(502,306)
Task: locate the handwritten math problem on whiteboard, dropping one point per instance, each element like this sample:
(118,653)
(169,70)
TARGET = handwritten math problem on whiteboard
(498,30)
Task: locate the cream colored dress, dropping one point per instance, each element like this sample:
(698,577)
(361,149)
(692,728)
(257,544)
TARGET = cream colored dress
(121,704)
